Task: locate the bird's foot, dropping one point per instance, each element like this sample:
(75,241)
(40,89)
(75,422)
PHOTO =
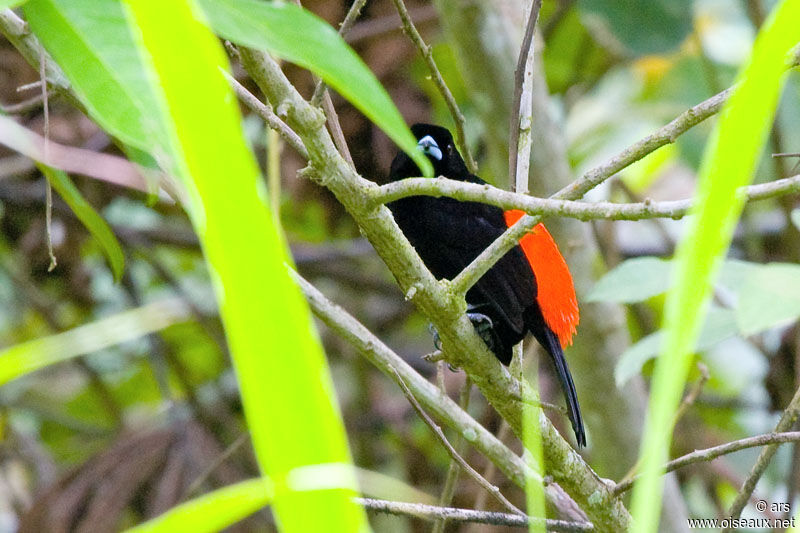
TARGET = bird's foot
(483,327)
(437,341)
(438,355)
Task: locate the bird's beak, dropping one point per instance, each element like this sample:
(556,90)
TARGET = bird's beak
(429,147)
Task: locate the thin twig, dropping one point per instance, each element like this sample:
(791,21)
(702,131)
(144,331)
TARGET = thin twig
(786,422)
(23,107)
(221,458)
(336,128)
(349,19)
(268,115)
(454,469)
(432,512)
(48,203)
(438,80)
(709,454)
(491,489)
(519,139)
(693,393)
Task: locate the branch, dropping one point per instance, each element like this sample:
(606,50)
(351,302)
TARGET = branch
(268,115)
(519,140)
(709,454)
(488,487)
(550,207)
(786,422)
(432,512)
(434,299)
(438,80)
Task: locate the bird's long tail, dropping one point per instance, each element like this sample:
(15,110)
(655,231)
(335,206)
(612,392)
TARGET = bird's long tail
(553,347)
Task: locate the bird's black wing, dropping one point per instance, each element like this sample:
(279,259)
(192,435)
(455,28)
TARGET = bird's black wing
(449,234)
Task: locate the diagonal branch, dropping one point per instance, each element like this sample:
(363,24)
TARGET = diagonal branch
(438,80)
(709,454)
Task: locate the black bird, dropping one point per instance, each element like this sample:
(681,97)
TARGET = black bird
(528,290)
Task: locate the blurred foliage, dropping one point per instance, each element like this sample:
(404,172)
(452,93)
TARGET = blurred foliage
(153,413)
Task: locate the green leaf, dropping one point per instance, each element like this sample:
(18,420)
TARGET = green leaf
(770,296)
(720,324)
(729,163)
(4,4)
(213,511)
(284,381)
(634,280)
(641,26)
(28,356)
(300,37)
(92,43)
(89,217)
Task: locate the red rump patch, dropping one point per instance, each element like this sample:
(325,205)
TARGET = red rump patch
(556,293)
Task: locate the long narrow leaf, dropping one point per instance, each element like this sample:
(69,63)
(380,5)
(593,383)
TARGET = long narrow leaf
(284,381)
(300,37)
(33,355)
(92,43)
(213,511)
(730,161)
(89,217)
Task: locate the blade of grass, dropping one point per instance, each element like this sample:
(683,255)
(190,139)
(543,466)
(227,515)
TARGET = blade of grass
(298,36)
(33,355)
(213,511)
(285,384)
(89,217)
(729,163)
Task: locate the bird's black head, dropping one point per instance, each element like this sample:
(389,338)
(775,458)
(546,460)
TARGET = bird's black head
(437,144)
